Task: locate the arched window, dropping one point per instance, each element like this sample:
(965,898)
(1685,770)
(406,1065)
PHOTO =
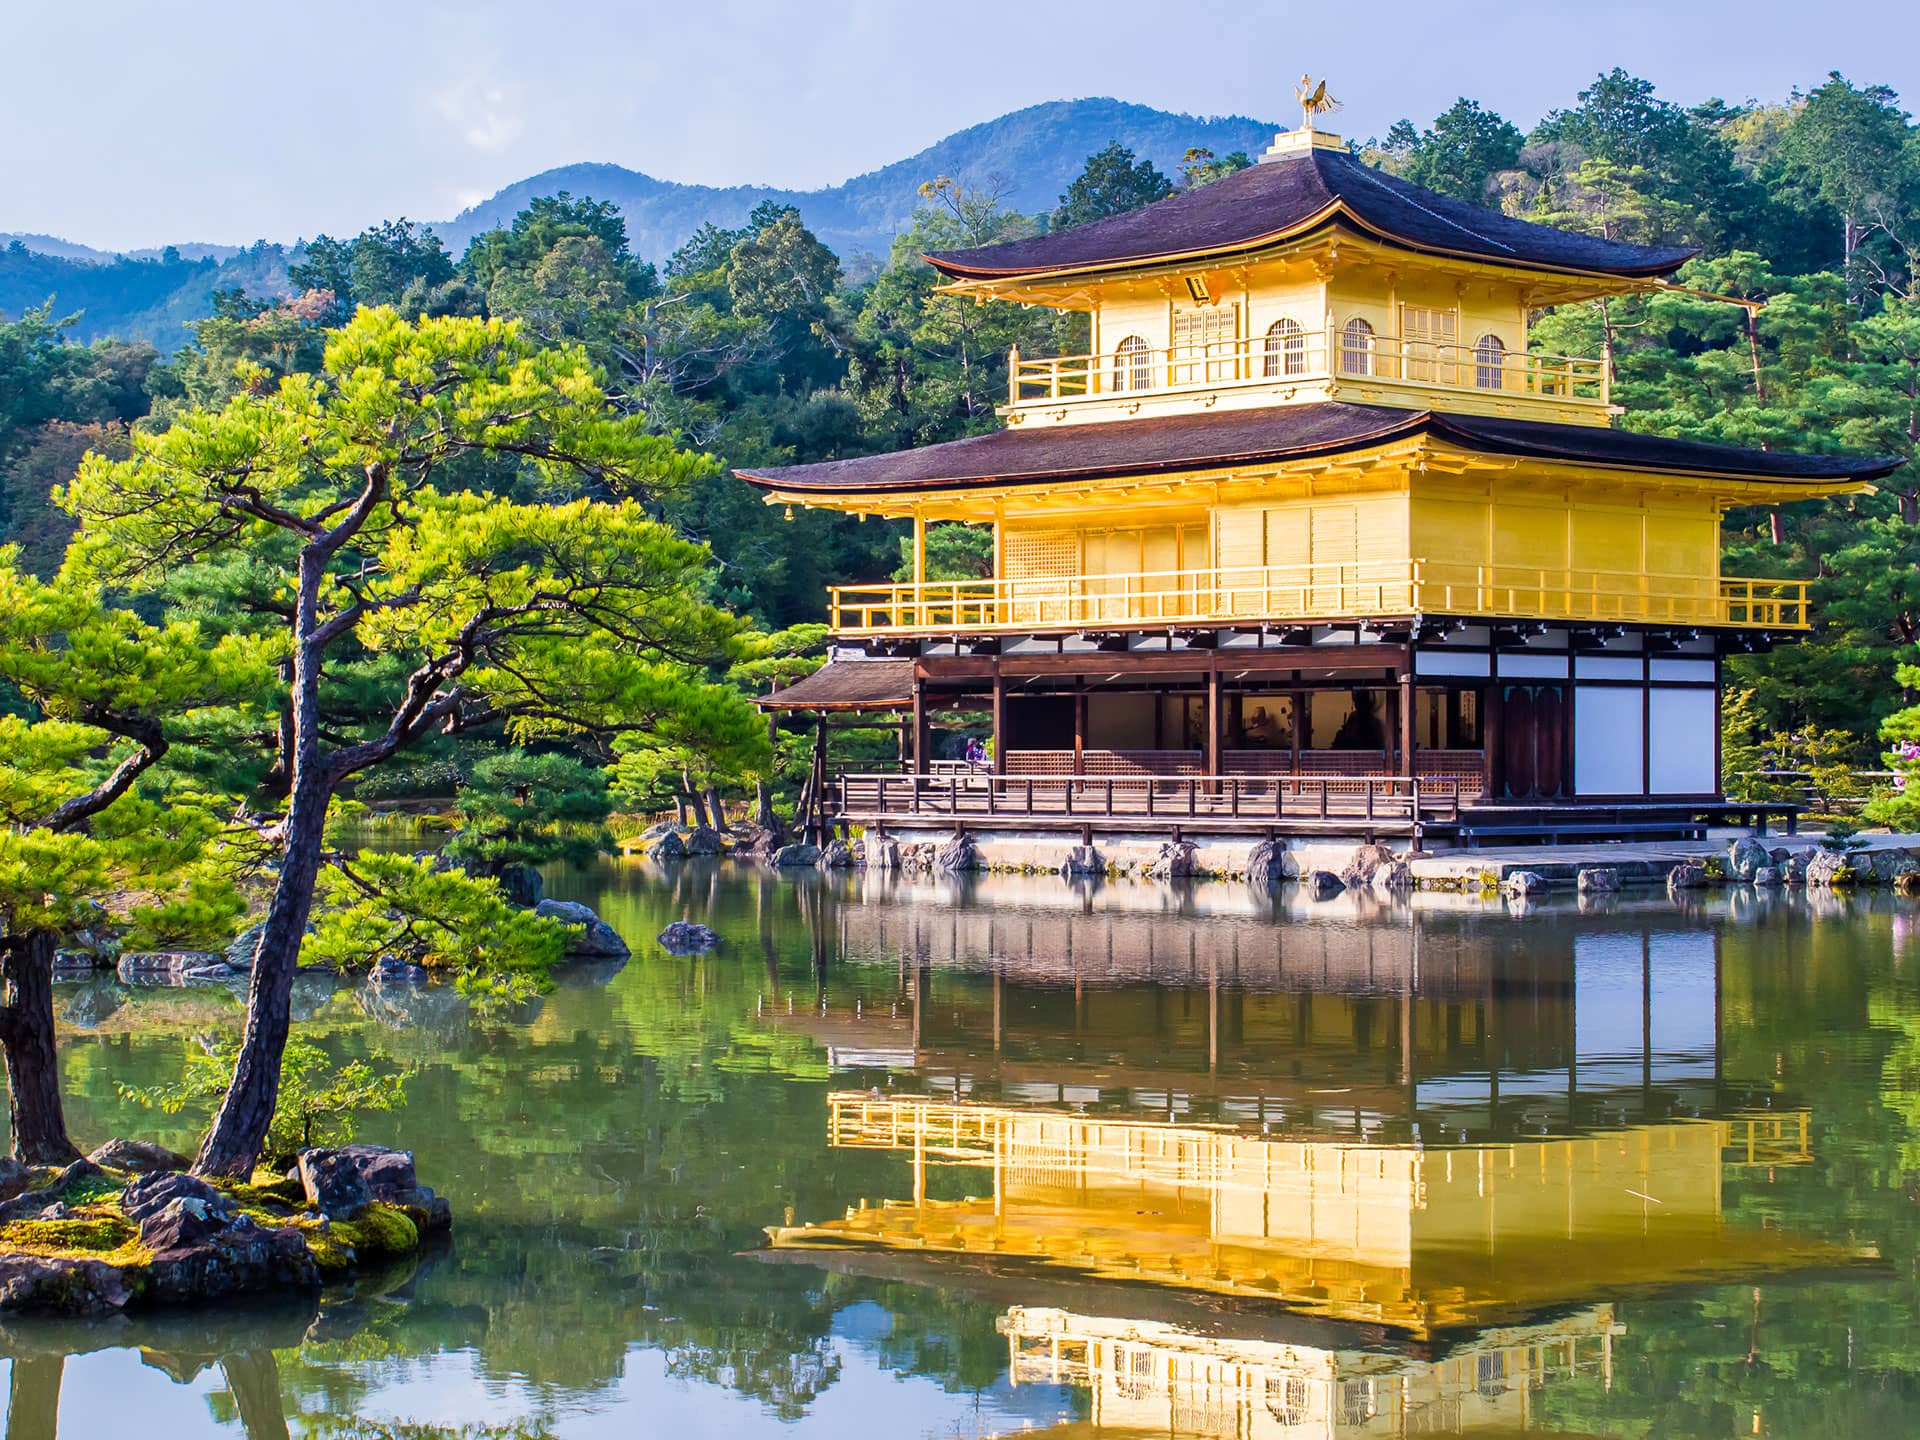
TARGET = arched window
(1490,363)
(1356,348)
(1132,365)
(1286,349)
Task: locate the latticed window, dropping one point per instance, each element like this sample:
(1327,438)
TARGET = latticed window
(1490,363)
(1132,364)
(1286,349)
(1287,1400)
(1356,348)
(1428,337)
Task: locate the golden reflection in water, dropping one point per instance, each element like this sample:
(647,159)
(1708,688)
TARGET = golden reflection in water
(1420,1240)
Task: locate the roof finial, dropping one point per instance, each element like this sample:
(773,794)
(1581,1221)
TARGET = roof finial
(1314,100)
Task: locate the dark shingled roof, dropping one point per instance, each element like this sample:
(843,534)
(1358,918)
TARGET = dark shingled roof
(848,685)
(1282,197)
(1214,439)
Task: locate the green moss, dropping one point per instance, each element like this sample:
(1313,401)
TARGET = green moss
(90,1189)
(265,1191)
(380,1230)
(97,1234)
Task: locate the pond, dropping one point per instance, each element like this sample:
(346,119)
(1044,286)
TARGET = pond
(955,1158)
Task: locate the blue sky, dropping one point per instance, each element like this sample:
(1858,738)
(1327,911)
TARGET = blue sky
(126,123)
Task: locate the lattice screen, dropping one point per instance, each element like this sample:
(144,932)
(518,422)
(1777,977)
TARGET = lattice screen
(1038,554)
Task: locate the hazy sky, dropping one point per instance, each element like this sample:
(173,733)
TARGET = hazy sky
(127,123)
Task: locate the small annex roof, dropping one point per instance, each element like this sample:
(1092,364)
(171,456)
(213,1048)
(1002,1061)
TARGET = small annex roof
(848,685)
(1219,439)
(1291,195)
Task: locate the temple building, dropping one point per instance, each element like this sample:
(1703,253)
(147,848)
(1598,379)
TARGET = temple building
(1310,540)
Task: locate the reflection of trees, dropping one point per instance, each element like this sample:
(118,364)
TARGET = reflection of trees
(33,1397)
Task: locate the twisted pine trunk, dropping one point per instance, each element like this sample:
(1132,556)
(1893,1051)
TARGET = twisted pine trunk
(26,1037)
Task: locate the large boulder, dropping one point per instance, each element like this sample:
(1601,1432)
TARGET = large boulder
(148,1195)
(341,1182)
(703,840)
(836,856)
(1597,880)
(1366,862)
(796,857)
(1525,885)
(754,843)
(1767,877)
(880,852)
(1175,861)
(140,1157)
(686,937)
(244,948)
(1828,869)
(1083,860)
(1687,877)
(589,937)
(1890,866)
(957,856)
(390,972)
(521,884)
(669,847)
(1270,862)
(1747,856)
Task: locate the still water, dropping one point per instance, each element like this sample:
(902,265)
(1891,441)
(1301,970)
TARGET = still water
(965,1158)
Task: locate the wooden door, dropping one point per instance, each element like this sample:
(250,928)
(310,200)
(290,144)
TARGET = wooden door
(1533,730)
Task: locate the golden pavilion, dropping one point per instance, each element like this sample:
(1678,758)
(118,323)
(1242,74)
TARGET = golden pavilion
(1311,540)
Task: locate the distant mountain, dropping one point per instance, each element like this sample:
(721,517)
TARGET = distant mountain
(1031,155)
(1035,153)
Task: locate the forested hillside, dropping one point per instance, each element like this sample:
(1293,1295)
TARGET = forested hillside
(750,341)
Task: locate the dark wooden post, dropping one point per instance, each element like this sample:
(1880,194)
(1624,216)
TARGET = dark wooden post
(1493,764)
(1406,720)
(999,720)
(920,737)
(1214,719)
(1080,728)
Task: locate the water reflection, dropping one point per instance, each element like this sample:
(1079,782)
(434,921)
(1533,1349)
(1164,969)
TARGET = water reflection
(1101,1160)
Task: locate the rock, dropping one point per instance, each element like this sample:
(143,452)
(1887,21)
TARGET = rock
(1828,869)
(1767,877)
(836,856)
(1907,883)
(390,972)
(1083,860)
(147,1195)
(703,840)
(1361,866)
(754,843)
(1525,885)
(79,962)
(244,949)
(669,847)
(1687,877)
(334,1184)
(521,884)
(1745,857)
(1889,865)
(182,1224)
(142,1157)
(1175,861)
(794,857)
(1322,884)
(1598,880)
(657,829)
(957,855)
(72,1287)
(174,967)
(356,1175)
(25,1203)
(1793,870)
(685,937)
(1393,878)
(1267,864)
(593,939)
(881,852)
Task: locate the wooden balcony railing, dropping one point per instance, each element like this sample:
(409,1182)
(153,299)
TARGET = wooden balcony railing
(1384,802)
(1327,355)
(1286,593)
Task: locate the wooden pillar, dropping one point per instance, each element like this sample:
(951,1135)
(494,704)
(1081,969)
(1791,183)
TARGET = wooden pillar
(1214,721)
(1406,719)
(920,737)
(999,720)
(1080,728)
(1490,739)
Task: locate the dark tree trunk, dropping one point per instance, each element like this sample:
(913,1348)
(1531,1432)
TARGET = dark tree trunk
(718,811)
(232,1146)
(26,1036)
(33,1397)
(693,801)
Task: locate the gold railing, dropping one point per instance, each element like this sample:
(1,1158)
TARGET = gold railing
(1330,354)
(1239,594)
